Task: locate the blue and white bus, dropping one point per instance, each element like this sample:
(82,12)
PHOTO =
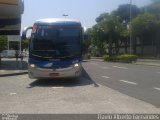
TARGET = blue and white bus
(55,49)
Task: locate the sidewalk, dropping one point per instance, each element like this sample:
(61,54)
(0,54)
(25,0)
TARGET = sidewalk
(148,62)
(11,67)
(100,59)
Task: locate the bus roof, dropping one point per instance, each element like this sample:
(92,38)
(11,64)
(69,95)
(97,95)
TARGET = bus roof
(58,21)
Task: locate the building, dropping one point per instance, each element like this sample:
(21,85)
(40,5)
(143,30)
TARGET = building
(10,16)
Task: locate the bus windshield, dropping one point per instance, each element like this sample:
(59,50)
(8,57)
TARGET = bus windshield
(56,42)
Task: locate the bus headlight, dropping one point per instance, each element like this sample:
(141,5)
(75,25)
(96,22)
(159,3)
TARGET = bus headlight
(33,65)
(76,65)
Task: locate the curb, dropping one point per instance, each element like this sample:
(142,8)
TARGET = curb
(100,60)
(92,60)
(146,64)
(13,74)
(156,65)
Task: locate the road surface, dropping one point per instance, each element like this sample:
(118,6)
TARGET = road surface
(103,88)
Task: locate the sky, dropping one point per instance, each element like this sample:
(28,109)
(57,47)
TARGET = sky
(84,10)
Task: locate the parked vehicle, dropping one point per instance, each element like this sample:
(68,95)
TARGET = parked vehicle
(55,49)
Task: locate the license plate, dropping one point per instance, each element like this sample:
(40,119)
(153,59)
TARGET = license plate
(54,74)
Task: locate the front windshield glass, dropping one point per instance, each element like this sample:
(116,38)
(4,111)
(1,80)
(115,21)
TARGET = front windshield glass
(56,42)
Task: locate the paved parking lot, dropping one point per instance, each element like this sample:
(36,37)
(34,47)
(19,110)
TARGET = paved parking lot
(100,90)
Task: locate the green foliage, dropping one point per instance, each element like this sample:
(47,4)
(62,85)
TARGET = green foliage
(106,58)
(25,43)
(154,8)
(87,56)
(113,29)
(124,33)
(123,12)
(110,24)
(97,37)
(107,33)
(102,17)
(144,23)
(91,35)
(3,43)
(127,58)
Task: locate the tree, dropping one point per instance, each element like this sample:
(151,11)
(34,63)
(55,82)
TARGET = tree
(25,44)
(102,17)
(3,43)
(123,12)
(145,26)
(109,32)
(114,27)
(124,36)
(97,37)
(154,8)
(111,28)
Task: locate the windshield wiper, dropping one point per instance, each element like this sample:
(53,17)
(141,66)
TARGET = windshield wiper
(41,56)
(70,56)
(44,50)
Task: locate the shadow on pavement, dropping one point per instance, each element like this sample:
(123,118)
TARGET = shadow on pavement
(13,65)
(65,82)
(87,76)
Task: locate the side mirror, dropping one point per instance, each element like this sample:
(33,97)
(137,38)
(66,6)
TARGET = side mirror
(85,34)
(24,32)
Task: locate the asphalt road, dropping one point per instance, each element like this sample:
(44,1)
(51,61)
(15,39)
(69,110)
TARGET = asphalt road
(137,81)
(103,88)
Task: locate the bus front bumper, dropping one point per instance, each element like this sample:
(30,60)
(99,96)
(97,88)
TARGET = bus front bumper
(37,73)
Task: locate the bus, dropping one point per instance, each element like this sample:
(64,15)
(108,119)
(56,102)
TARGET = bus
(55,49)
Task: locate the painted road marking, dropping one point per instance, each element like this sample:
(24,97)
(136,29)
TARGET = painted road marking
(105,77)
(94,63)
(120,67)
(105,68)
(13,93)
(156,88)
(129,82)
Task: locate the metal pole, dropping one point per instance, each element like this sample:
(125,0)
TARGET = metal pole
(20,44)
(130,27)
